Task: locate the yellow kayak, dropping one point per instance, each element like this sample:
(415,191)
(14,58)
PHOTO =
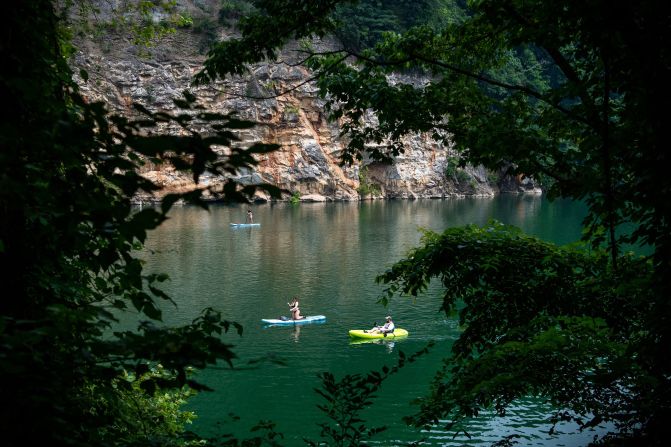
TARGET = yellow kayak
(360,333)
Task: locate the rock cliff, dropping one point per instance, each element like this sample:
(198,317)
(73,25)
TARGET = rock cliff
(307,165)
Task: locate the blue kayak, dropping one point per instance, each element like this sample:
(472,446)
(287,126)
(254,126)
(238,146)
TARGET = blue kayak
(245,225)
(289,321)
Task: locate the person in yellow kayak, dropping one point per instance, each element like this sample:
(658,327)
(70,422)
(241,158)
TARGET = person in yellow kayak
(387,328)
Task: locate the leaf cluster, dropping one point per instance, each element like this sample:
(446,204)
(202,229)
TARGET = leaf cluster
(363,24)
(537,319)
(269,28)
(145,21)
(142,416)
(346,398)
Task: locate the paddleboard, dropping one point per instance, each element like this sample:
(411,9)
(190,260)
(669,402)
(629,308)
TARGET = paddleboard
(245,224)
(359,333)
(310,319)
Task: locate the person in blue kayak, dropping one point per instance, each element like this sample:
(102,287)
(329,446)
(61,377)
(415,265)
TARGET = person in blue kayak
(294,309)
(387,328)
(250,217)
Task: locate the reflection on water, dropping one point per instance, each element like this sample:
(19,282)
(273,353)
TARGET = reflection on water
(297,333)
(525,423)
(328,255)
(388,344)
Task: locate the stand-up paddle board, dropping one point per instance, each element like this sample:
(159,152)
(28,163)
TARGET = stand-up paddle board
(238,225)
(310,319)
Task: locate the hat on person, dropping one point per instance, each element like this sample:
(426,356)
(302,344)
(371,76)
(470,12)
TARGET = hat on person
(388,317)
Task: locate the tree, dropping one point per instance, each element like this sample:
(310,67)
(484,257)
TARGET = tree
(68,235)
(362,24)
(565,90)
(540,320)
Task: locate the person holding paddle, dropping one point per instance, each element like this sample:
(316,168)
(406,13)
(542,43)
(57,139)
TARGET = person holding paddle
(385,329)
(295,310)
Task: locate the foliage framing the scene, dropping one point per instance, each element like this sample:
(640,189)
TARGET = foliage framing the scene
(566,90)
(68,238)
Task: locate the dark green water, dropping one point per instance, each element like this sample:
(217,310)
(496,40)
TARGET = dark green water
(329,255)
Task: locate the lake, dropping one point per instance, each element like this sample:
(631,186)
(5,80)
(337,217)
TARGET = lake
(328,254)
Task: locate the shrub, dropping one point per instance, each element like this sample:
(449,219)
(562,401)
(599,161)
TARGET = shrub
(365,185)
(232,10)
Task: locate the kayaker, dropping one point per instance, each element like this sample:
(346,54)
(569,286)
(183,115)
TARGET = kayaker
(295,310)
(387,328)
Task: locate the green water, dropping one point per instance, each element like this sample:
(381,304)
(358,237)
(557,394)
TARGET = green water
(329,255)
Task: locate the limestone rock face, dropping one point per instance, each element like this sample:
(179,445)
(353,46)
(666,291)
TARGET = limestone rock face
(307,164)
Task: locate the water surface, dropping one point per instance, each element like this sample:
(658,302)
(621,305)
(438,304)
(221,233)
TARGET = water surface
(328,255)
